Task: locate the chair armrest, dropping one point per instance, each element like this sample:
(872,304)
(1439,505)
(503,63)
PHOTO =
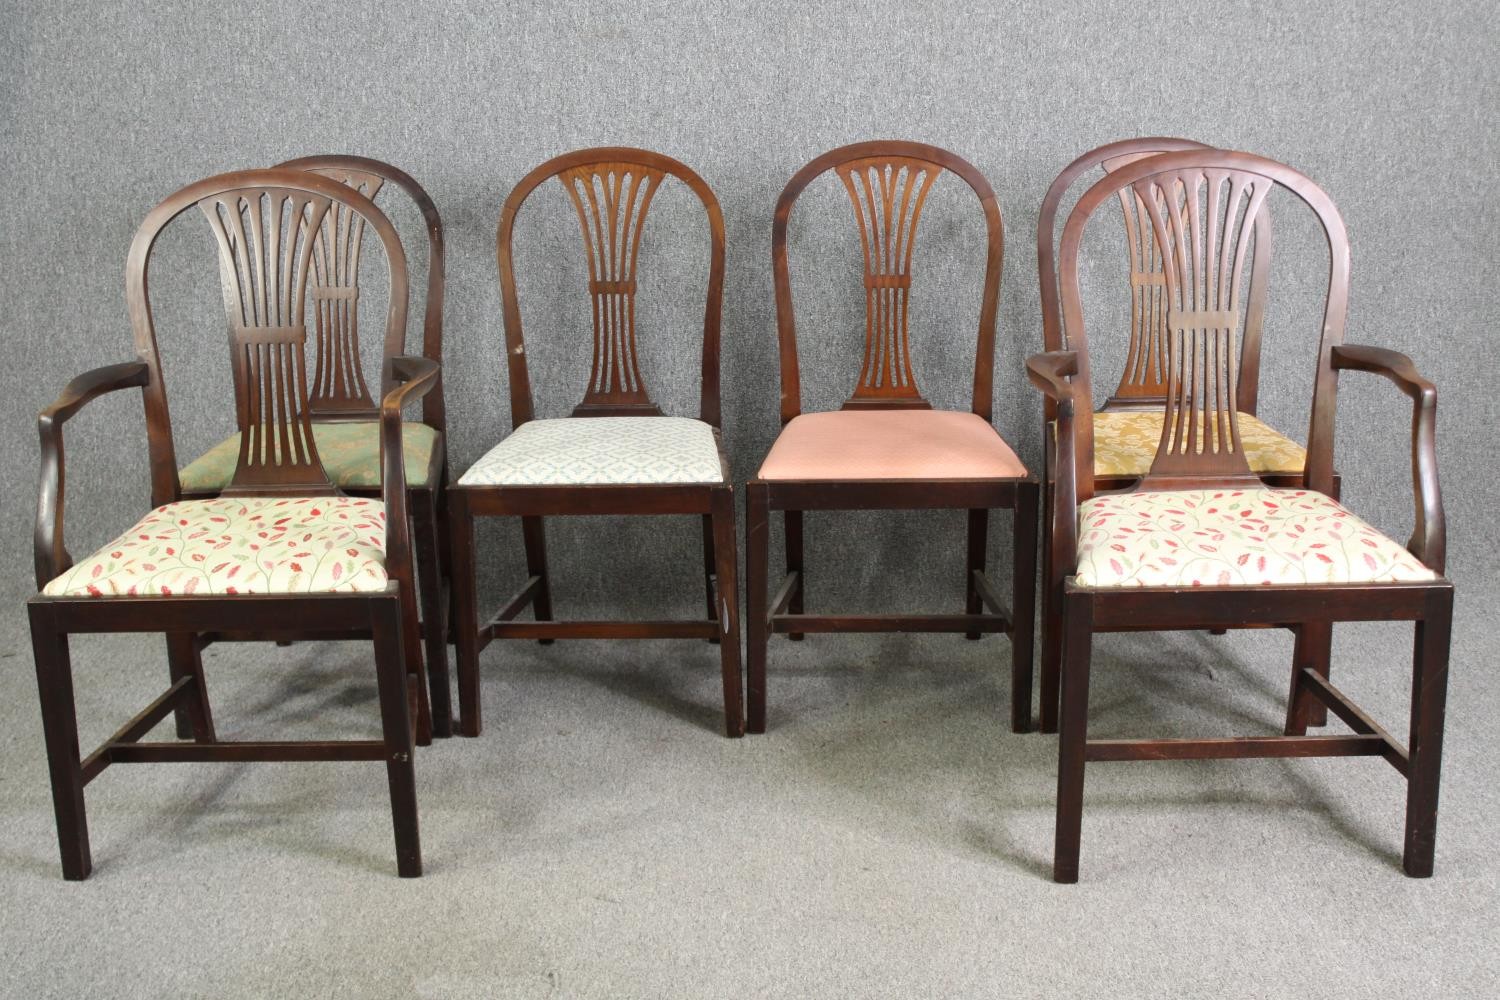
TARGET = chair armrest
(51,555)
(1429,536)
(1050,372)
(411,379)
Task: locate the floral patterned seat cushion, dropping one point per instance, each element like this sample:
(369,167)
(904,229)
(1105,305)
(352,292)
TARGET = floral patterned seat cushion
(350,452)
(1125,444)
(1226,538)
(240,545)
(601,451)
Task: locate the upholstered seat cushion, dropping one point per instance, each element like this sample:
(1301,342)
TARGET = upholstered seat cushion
(890,444)
(601,451)
(239,545)
(1125,443)
(350,452)
(1207,538)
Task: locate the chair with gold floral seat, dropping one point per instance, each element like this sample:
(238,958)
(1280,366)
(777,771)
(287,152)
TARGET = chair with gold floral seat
(1128,426)
(344,411)
(281,552)
(1202,541)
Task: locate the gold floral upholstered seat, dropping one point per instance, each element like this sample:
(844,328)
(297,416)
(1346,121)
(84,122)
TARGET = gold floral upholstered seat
(350,451)
(1125,443)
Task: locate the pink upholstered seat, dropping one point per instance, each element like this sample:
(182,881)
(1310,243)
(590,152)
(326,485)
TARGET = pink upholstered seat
(890,444)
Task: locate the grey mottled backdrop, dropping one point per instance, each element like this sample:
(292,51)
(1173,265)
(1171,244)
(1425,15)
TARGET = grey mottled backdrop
(108,107)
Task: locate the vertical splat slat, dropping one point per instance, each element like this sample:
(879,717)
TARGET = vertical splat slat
(887,194)
(612,201)
(338,384)
(265,286)
(1204,234)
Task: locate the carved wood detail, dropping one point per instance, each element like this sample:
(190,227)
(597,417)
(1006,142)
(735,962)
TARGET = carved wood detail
(612,200)
(1203,221)
(887,193)
(266,239)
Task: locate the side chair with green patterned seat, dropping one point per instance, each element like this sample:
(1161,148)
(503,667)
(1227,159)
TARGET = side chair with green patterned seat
(345,414)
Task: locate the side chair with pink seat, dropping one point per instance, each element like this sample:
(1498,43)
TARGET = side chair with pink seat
(887,448)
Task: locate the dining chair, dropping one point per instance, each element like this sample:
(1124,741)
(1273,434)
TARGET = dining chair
(345,414)
(617,454)
(279,552)
(887,448)
(1128,425)
(1202,541)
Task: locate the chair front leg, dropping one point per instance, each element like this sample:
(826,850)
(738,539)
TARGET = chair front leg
(465,613)
(54,682)
(979,535)
(396,727)
(418,702)
(757,556)
(428,546)
(1023,607)
(195,719)
(1051,665)
(1429,695)
(1072,734)
(727,613)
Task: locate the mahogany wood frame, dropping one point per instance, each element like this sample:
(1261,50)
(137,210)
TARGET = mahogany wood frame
(612,219)
(1142,392)
(190,621)
(1309,611)
(427,503)
(872,173)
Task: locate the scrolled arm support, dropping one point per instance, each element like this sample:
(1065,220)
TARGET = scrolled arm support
(1429,536)
(1051,373)
(411,378)
(51,555)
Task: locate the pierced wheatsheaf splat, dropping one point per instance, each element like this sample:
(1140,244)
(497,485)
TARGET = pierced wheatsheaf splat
(887,194)
(612,200)
(1145,374)
(1203,220)
(338,384)
(266,239)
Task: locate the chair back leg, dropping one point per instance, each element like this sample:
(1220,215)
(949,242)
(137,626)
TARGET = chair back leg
(428,550)
(1023,607)
(727,614)
(195,720)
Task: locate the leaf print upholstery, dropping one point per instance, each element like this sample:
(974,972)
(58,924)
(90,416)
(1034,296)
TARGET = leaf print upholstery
(239,545)
(1224,538)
